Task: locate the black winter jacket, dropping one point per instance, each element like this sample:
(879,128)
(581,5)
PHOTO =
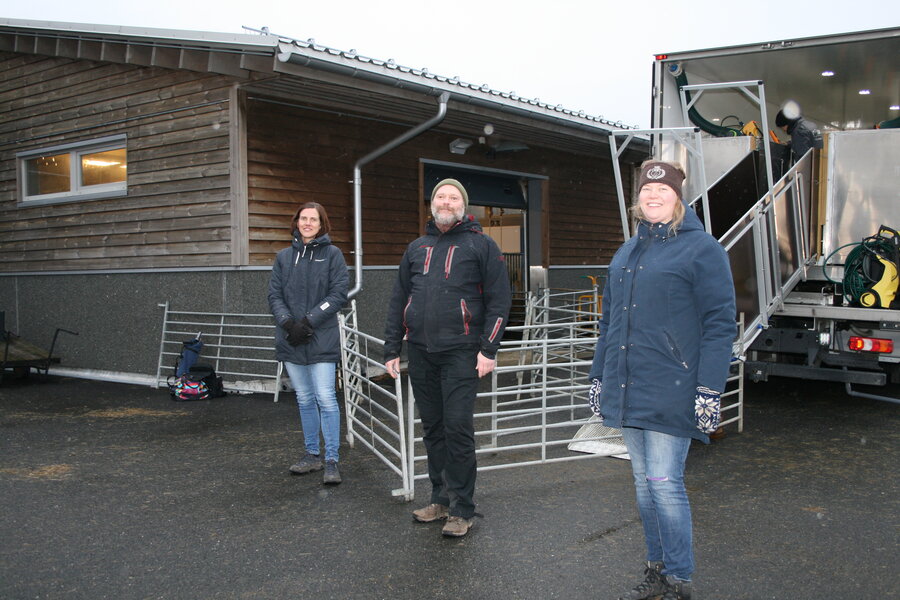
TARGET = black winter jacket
(309,281)
(452,291)
(804,135)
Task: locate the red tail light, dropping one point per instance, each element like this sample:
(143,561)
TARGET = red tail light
(864,344)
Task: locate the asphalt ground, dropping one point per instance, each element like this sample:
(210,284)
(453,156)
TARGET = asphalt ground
(115,491)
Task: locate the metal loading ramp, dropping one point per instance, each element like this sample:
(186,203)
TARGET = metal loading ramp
(763,227)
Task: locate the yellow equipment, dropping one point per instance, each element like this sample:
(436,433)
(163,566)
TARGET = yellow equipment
(885,289)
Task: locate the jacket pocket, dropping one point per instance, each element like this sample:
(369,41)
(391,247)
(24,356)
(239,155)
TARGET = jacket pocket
(406,314)
(466,315)
(674,350)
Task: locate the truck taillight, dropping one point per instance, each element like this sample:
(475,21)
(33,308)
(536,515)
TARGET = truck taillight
(865,344)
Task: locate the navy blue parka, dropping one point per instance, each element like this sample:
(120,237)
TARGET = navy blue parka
(309,280)
(668,326)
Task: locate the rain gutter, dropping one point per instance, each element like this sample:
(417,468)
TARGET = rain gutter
(357,184)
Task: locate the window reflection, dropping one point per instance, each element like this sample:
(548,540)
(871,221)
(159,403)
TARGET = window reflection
(48,174)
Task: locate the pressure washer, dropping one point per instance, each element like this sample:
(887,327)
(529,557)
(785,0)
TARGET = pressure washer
(872,270)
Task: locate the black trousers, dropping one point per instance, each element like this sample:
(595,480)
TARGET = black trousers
(445,385)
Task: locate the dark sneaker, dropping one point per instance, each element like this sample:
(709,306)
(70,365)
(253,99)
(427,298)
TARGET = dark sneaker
(307,464)
(457,526)
(652,585)
(332,474)
(676,589)
(432,512)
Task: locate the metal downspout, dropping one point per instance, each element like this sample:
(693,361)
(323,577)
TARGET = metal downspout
(357,184)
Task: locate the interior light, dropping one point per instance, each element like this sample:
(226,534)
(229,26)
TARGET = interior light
(94,162)
(827,73)
(864,92)
(894,107)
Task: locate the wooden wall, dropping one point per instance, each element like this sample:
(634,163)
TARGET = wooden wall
(179,205)
(177,210)
(300,154)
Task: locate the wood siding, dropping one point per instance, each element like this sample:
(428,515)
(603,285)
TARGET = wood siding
(177,210)
(187,166)
(300,154)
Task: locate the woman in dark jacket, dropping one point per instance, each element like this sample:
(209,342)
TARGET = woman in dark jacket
(307,289)
(661,363)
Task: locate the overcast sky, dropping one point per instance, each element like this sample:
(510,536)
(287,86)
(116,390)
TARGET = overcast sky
(591,55)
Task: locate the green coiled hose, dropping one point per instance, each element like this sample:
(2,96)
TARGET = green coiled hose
(857,275)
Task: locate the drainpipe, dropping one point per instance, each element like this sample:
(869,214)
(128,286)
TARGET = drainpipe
(357,183)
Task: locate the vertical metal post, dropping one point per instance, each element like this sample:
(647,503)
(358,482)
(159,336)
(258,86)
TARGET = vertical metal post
(620,192)
(162,341)
(345,371)
(494,421)
(405,432)
(411,438)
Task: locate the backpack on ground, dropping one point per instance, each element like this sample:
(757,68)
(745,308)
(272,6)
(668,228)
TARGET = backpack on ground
(200,383)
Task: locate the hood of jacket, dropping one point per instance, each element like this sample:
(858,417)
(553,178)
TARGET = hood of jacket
(691,222)
(467,223)
(306,251)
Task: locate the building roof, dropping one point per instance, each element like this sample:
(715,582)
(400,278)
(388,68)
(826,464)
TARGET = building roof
(318,73)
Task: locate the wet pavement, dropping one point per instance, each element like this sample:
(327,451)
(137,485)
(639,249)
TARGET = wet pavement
(114,491)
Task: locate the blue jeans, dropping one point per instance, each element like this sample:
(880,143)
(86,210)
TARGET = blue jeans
(657,462)
(314,385)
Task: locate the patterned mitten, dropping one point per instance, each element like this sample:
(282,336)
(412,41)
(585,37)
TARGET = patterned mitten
(707,406)
(594,397)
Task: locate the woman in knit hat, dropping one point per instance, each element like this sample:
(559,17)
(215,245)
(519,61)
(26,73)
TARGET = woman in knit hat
(661,363)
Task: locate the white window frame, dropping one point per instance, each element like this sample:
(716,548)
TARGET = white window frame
(77,192)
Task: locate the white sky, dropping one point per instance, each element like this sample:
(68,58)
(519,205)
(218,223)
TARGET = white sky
(591,55)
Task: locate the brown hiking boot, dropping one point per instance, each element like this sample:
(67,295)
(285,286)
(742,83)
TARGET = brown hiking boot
(430,513)
(457,526)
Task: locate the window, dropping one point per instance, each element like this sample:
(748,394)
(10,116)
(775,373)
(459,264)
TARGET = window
(81,171)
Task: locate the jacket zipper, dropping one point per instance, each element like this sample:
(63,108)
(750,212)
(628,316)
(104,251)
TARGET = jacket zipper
(448,263)
(674,348)
(428,251)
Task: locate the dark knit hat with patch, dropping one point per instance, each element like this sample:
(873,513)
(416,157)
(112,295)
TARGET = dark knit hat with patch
(457,185)
(662,172)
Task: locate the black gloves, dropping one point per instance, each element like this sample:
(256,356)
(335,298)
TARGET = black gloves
(298,333)
(305,328)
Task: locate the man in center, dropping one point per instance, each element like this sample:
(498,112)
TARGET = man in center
(451,303)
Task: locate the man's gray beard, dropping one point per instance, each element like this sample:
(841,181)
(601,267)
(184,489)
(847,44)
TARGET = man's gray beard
(441,220)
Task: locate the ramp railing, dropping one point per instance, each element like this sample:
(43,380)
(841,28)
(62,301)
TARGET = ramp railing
(373,401)
(527,411)
(531,410)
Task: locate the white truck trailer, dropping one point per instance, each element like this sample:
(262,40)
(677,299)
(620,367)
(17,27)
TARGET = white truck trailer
(816,289)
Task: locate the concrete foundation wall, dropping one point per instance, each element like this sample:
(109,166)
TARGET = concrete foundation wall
(118,317)
(119,320)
